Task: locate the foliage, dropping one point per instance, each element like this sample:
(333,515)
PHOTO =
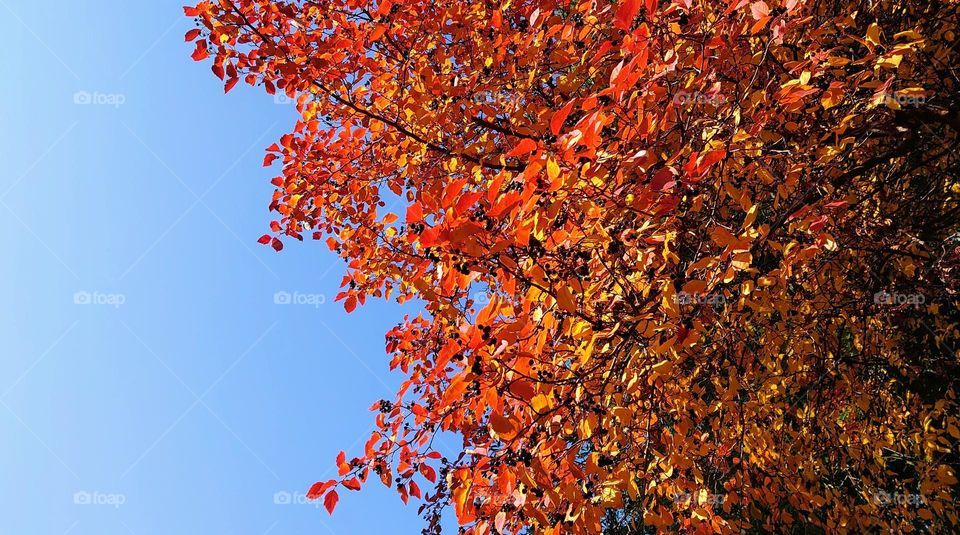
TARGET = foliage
(685,265)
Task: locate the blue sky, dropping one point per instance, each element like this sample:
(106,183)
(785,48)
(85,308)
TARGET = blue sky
(150,384)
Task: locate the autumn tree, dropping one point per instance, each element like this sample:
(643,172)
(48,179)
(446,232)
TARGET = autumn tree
(688,266)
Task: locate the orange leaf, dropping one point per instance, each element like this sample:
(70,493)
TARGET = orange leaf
(497,19)
(504,427)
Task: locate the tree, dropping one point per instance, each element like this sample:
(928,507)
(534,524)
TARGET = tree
(685,266)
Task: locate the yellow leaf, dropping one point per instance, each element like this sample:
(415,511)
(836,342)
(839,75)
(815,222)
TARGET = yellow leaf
(553,170)
(873,34)
(832,96)
(751,216)
(540,403)
(891,62)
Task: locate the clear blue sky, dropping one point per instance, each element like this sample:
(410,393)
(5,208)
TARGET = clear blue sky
(149,383)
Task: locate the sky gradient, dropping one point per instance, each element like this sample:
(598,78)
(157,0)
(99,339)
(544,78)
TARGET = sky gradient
(154,380)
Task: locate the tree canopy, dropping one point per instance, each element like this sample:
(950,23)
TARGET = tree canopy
(684,265)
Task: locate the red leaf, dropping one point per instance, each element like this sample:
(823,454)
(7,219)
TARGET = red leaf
(317,489)
(191,35)
(626,13)
(526,146)
(190,11)
(818,223)
(663,180)
(837,204)
(428,472)
(331,501)
(200,53)
(265,239)
(350,304)
(352,483)
(277,245)
(430,237)
(709,159)
(556,122)
(229,85)
(467,200)
(268,159)
(414,213)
